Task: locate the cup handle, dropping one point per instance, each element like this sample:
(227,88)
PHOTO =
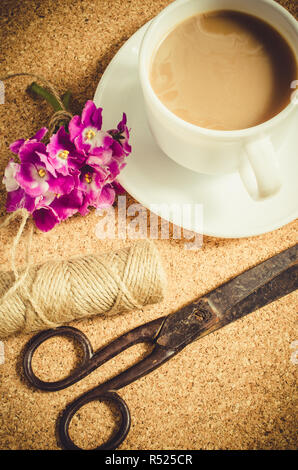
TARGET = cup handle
(259,169)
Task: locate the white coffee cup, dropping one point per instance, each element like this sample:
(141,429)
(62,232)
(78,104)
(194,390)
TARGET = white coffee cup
(253,151)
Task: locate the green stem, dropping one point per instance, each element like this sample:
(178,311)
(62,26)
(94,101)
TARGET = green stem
(66,99)
(40,91)
(37,90)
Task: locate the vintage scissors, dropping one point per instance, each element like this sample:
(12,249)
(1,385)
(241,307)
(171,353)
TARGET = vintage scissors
(245,293)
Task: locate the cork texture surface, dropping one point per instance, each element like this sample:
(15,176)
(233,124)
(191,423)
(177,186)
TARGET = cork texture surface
(234,389)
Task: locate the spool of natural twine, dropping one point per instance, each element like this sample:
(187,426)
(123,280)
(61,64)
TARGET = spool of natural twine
(58,292)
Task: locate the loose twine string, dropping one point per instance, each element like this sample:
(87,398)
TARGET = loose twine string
(58,292)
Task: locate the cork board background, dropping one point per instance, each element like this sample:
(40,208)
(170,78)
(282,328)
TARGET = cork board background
(234,389)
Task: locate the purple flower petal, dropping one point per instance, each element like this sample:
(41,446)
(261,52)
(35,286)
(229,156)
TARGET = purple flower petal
(91,180)
(118,151)
(102,158)
(74,127)
(40,134)
(122,124)
(61,184)
(114,169)
(91,184)
(96,118)
(45,200)
(107,197)
(15,146)
(45,160)
(118,187)
(67,205)
(102,142)
(19,200)
(29,151)
(92,140)
(33,179)
(121,135)
(87,113)
(45,218)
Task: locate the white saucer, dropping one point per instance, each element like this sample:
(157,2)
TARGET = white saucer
(153,178)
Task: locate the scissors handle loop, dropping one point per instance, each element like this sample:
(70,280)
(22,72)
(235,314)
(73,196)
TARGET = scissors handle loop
(40,338)
(93,395)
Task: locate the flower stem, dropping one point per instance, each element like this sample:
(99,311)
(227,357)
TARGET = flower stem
(66,99)
(40,91)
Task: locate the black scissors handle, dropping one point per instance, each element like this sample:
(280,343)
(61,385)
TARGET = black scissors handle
(106,391)
(101,396)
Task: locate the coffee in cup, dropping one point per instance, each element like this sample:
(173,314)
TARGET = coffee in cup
(238,106)
(224,70)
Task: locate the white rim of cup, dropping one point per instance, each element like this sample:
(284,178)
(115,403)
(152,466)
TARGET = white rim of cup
(220,134)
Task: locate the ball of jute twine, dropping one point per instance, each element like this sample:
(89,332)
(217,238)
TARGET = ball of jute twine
(58,292)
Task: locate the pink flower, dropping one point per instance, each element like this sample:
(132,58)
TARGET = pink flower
(75,171)
(91,183)
(63,154)
(86,133)
(37,176)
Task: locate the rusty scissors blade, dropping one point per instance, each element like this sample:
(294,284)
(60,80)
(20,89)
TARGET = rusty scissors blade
(260,285)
